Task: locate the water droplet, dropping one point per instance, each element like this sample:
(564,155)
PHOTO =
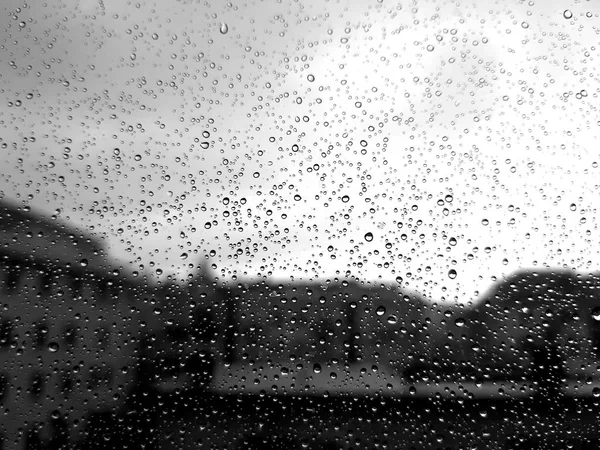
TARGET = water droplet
(204,145)
(154,36)
(53,347)
(392,320)
(449,198)
(430,48)
(184,256)
(157,311)
(596,392)
(567,14)
(137,157)
(311,78)
(452,241)
(133,56)
(369,237)
(485,222)
(596,314)
(345,199)
(297,197)
(317,368)
(333,375)
(83,262)
(573,207)
(459,322)
(452,274)
(207,225)
(525,25)
(224,28)
(22,24)
(380,310)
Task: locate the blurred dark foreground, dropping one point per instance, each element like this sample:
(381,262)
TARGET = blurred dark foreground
(458,421)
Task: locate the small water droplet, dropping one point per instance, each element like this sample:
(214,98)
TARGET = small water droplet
(317,368)
(596,392)
(224,28)
(83,262)
(154,36)
(207,225)
(204,145)
(53,347)
(567,14)
(459,322)
(311,78)
(184,256)
(452,274)
(345,199)
(596,314)
(392,320)
(380,311)
(369,237)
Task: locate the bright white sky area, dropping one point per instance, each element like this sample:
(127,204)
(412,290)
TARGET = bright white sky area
(278,135)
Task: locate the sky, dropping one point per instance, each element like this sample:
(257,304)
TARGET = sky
(433,144)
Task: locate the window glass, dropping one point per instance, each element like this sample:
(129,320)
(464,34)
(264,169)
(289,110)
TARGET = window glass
(299,224)
(103,337)
(37,384)
(40,334)
(70,335)
(6,330)
(4,387)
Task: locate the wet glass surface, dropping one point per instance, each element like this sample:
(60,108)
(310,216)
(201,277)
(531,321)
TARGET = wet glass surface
(299,224)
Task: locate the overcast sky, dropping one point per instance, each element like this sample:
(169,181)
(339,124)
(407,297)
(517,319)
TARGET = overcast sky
(387,140)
